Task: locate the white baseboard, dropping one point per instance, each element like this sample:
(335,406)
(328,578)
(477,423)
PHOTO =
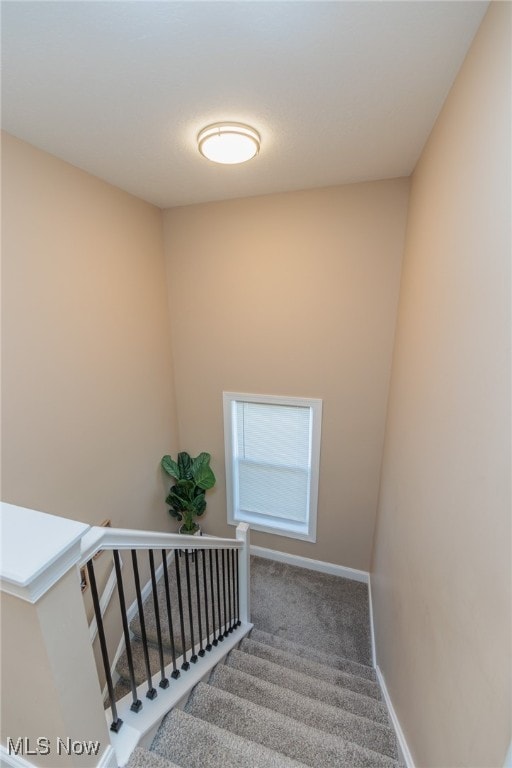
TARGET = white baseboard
(403,748)
(372,628)
(405,753)
(312,565)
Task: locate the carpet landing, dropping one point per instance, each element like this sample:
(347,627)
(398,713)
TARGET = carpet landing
(299,691)
(314,609)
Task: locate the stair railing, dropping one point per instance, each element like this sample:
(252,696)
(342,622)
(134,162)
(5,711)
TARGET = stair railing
(205,583)
(45,620)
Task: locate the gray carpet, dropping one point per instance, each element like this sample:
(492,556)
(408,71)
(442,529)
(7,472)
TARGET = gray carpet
(197,743)
(315,713)
(291,680)
(295,603)
(311,668)
(143,758)
(313,654)
(282,733)
(298,691)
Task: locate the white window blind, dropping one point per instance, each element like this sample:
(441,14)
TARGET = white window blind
(272,447)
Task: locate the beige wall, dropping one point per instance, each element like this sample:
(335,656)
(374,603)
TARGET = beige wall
(292,294)
(87,409)
(441,567)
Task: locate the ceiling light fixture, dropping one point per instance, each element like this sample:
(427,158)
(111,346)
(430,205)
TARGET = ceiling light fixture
(228,143)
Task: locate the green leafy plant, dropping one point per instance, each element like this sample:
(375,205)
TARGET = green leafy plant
(193,477)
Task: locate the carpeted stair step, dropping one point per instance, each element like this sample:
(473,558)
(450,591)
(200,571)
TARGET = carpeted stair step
(337,722)
(337,662)
(195,743)
(311,668)
(143,758)
(337,696)
(266,727)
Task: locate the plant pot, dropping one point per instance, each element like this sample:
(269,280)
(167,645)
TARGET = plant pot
(187,533)
(197,532)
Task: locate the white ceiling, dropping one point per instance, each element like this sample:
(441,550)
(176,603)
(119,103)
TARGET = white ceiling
(339,91)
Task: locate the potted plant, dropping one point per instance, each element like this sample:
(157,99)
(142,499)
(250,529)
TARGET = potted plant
(186,499)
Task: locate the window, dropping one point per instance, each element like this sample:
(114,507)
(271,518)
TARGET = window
(272,460)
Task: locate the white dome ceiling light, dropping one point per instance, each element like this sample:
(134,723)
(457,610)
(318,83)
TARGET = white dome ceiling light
(228,143)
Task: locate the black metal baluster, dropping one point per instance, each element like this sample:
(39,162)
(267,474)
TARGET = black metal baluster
(198,598)
(233,594)
(212,586)
(193,658)
(185,664)
(152,692)
(164,683)
(221,636)
(175,671)
(226,632)
(206,610)
(232,554)
(116,721)
(230,614)
(136,704)
(232,588)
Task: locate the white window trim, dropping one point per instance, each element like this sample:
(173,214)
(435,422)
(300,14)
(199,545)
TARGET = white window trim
(277,526)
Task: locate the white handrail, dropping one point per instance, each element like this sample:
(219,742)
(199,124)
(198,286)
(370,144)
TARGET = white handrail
(98,538)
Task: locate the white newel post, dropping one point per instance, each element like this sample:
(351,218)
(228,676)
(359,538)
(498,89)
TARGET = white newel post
(52,709)
(243,534)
